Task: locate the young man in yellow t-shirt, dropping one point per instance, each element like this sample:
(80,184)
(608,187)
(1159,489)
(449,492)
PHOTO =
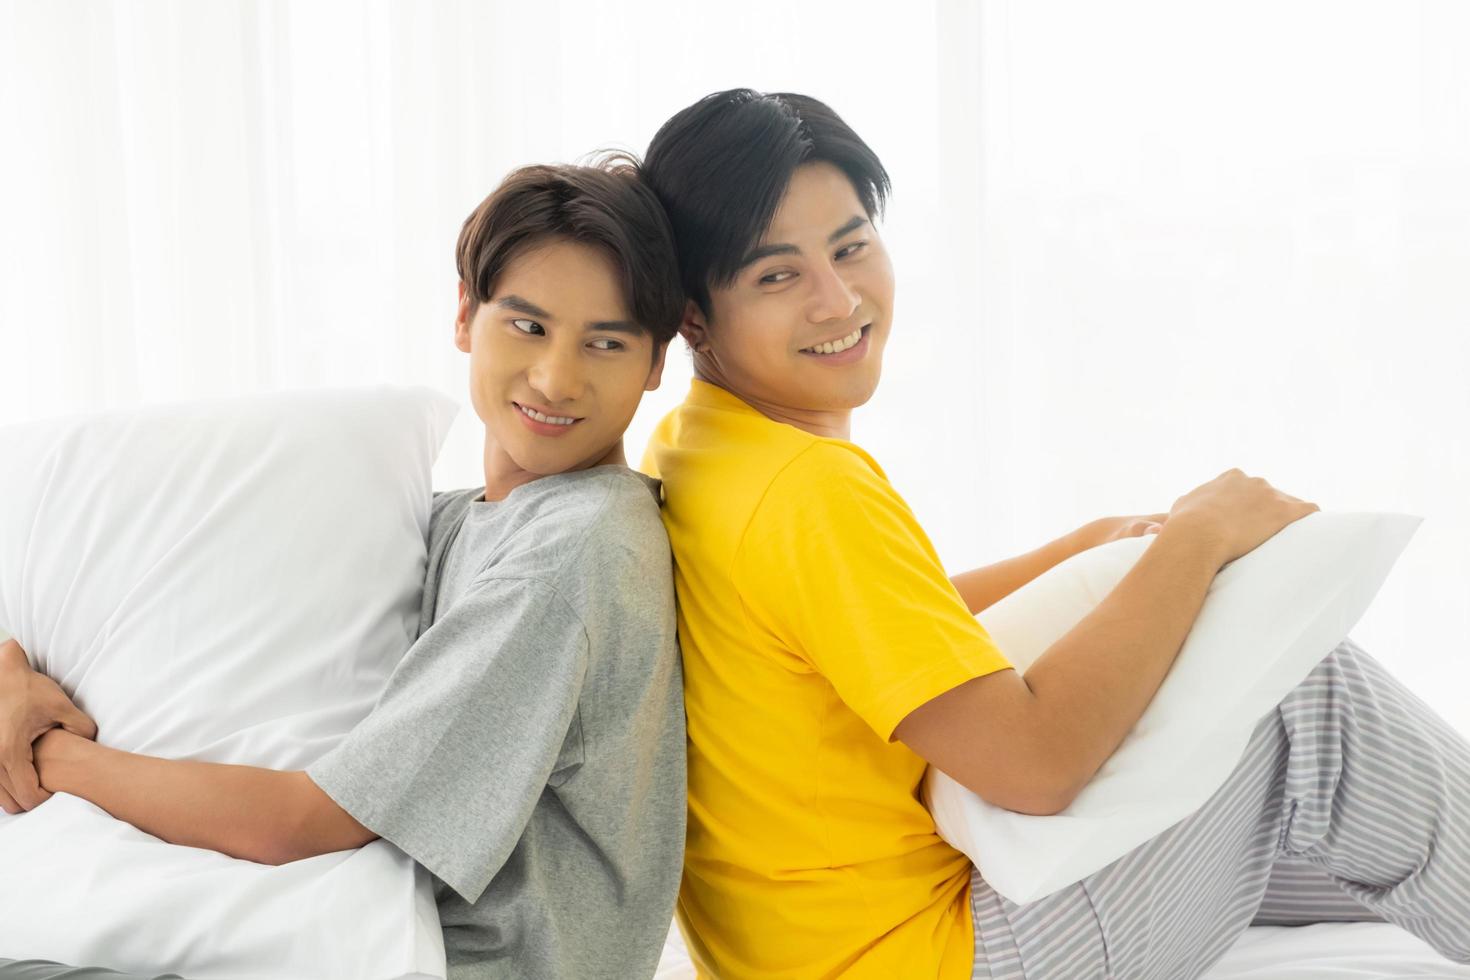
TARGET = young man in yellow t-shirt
(829,657)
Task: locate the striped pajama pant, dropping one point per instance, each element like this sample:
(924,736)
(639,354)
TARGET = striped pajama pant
(1351,802)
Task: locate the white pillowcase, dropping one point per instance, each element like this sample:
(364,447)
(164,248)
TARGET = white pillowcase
(1268,619)
(230,581)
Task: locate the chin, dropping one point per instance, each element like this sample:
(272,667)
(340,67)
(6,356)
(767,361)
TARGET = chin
(549,464)
(542,464)
(860,394)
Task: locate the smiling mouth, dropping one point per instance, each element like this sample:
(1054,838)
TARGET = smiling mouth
(840,344)
(542,417)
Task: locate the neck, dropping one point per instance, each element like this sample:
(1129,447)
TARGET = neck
(827,423)
(502,475)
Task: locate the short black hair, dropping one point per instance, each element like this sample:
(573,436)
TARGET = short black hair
(603,205)
(721,165)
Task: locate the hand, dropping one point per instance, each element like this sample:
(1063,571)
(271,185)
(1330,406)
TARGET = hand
(1236,513)
(30,704)
(1106,529)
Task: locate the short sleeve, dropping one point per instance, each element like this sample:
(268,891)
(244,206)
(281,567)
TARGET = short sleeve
(470,729)
(834,567)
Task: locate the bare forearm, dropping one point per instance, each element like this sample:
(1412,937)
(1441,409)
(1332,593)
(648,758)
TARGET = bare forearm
(1094,684)
(981,588)
(241,811)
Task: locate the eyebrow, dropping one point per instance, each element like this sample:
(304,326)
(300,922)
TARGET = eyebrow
(615,326)
(520,304)
(766,251)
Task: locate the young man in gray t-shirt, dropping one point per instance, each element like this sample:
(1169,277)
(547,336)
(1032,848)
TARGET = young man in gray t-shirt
(529,749)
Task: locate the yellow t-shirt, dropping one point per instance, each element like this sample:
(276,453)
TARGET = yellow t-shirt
(814,615)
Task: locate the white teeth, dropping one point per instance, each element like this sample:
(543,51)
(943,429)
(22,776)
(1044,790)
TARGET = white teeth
(837,346)
(553,419)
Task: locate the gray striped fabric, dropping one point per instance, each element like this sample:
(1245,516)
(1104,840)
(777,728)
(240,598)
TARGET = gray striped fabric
(1300,893)
(1350,802)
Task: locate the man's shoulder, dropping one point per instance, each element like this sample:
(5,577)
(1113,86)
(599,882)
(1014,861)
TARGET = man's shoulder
(567,528)
(449,506)
(605,486)
(572,500)
(613,564)
(826,478)
(731,467)
(600,507)
(823,460)
(612,521)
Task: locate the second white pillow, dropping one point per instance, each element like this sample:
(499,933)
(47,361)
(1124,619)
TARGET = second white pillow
(1268,619)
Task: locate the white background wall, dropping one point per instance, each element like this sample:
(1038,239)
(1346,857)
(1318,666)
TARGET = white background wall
(1137,243)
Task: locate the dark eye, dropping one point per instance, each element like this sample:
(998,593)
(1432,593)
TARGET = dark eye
(616,345)
(528,326)
(776,277)
(852,249)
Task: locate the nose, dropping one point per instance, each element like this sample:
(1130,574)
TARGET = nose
(557,375)
(832,297)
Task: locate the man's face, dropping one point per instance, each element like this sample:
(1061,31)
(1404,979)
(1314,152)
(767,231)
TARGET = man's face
(557,365)
(820,275)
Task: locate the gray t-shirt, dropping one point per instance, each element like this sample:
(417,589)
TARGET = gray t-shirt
(529,749)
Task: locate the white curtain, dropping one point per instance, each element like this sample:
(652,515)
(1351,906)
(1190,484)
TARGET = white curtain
(1136,243)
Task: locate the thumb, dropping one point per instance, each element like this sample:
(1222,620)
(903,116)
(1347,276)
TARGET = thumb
(75,721)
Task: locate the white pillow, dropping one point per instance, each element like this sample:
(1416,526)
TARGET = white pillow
(1268,619)
(231,581)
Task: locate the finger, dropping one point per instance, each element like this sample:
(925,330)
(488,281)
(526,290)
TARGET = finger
(76,721)
(8,758)
(24,785)
(8,804)
(1295,500)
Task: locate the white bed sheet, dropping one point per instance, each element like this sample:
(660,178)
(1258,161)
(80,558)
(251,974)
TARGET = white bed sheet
(1326,951)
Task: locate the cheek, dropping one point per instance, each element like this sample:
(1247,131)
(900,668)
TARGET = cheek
(482,370)
(491,377)
(625,390)
(764,334)
(498,358)
(880,286)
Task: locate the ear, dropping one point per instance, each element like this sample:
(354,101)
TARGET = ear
(462,321)
(656,373)
(694,328)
